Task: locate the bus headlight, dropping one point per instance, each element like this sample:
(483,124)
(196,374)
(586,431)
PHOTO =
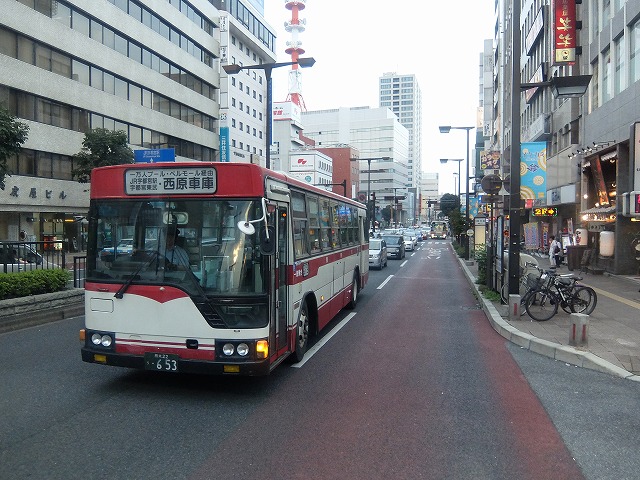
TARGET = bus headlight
(228,349)
(243,349)
(101,339)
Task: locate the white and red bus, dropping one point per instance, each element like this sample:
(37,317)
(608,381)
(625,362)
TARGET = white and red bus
(271,260)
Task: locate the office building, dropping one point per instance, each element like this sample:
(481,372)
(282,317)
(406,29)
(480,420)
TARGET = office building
(401,94)
(589,157)
(377,134)
(245,40)
(149,68)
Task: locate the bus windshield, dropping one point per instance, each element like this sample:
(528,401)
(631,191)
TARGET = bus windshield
(194,244)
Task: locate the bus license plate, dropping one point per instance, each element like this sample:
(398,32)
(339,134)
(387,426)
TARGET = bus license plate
(161,362)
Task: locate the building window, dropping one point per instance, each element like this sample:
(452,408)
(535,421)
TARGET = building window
(607,76)
(620,83)
(595,87)
(634,56)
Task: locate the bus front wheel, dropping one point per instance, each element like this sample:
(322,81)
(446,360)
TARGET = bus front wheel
(354,294)
(302,333)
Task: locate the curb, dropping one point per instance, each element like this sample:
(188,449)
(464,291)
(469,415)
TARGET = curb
(17,313)
(561,353)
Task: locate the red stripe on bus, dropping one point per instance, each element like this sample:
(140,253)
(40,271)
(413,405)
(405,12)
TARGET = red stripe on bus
(315,263)
(160,294)
(182,352)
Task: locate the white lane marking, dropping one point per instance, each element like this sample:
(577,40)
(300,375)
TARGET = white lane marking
(316,348)
(404,263)
(386,280)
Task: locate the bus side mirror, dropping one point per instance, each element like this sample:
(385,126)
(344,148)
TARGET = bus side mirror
(267,240)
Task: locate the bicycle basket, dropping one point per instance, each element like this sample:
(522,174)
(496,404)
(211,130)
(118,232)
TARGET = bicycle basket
(534,280)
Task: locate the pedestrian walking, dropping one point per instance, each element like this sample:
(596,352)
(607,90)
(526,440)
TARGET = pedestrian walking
(555,251)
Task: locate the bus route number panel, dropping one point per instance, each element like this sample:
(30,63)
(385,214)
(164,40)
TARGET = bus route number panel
(161,362)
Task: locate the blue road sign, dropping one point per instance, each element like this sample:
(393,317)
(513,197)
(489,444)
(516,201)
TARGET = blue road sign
(155,155)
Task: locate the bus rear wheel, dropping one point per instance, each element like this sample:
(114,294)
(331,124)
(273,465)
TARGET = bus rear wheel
(302,333)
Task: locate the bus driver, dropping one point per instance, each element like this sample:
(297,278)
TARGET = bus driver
(175,255)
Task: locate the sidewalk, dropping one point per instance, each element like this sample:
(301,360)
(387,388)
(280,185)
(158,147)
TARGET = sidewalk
(613,330)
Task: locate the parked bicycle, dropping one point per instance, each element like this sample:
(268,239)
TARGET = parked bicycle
(527,270)
(553,290)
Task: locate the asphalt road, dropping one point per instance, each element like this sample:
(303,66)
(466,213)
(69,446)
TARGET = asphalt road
(413,384)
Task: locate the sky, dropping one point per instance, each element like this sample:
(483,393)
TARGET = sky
(354,42)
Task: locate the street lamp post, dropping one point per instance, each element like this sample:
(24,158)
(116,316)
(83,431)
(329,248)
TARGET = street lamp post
(268,68)
(373,206)
(342,184)
(395,205)
(447,129)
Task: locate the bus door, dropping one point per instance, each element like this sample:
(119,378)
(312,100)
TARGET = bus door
(280,287)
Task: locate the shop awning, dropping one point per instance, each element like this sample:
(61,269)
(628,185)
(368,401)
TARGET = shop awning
(599,214)
(599,210)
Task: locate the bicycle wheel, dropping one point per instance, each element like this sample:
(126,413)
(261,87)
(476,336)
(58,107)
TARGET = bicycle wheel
(504,291)
(541,305)
(566,304)
(583,300)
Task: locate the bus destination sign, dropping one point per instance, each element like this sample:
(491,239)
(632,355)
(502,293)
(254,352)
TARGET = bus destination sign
(544,211)
(170,181)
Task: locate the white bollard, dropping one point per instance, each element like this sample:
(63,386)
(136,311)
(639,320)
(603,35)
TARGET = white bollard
(579,330)
(514,307)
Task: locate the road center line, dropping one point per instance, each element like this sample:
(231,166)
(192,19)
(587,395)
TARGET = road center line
(316,348)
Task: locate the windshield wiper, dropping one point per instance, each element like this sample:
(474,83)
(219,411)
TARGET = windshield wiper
(120,293)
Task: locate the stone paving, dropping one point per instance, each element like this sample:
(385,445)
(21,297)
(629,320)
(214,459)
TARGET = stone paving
(613,333)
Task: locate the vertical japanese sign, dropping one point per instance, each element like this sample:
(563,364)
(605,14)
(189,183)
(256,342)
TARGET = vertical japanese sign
(533,172)
(564,32)
(224,138)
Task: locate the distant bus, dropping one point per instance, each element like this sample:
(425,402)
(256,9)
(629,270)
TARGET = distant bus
(438,229)
(271,260)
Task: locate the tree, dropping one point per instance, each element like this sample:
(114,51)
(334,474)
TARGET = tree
(449,203)
(13,134)
(456,222)
(101,148)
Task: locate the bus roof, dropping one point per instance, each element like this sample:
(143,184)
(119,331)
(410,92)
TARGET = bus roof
(246,180)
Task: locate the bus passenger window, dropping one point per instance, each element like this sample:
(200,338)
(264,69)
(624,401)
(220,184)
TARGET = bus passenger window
(299,238)
(314,241)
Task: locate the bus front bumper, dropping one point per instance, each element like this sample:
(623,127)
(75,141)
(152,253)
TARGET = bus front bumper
(182,366)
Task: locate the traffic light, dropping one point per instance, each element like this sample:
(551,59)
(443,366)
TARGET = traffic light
(373,196)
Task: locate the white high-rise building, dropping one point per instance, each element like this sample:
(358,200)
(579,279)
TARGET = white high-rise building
(401,94)
(246,40)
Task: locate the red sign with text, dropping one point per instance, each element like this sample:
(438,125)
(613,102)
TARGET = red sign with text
(564,32)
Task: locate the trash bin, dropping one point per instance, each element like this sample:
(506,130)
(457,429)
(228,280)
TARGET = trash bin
(574,256)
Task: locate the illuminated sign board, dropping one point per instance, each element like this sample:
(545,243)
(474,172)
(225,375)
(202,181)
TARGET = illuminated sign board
(544,212)
(176,181)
